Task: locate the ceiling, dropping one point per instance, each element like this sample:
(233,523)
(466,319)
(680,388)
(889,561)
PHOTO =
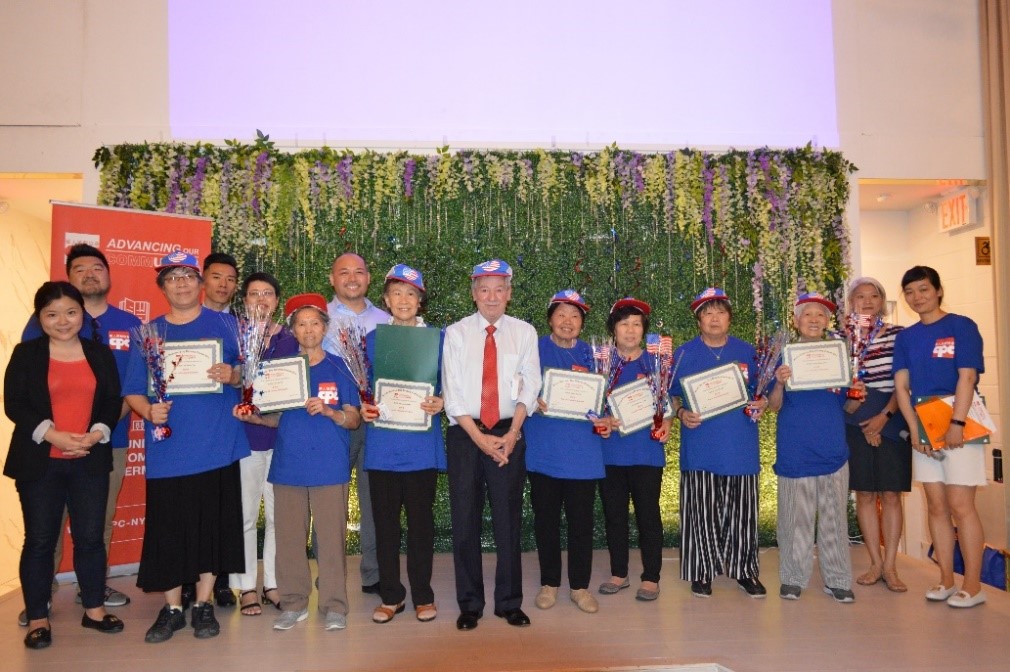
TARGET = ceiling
(880,194)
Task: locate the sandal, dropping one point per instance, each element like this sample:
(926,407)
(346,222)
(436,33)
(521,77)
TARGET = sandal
(871,577)
(384,613)
(893,583)
(249,608)
(267,600)
(426,612)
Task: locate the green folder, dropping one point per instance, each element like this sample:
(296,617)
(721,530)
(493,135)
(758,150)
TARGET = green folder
(406,353)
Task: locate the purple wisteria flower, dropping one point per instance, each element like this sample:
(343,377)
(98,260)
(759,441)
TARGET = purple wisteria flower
(409,166)
(707,176)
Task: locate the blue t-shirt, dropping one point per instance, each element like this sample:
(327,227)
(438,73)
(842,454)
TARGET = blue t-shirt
(932,354)
(205,435)
(115,328)
(637,448)
(810,434)
(557,447)
(312,450)
(393,450)
(283,344)
(727,444)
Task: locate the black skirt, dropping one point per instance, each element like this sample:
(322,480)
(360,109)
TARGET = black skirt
(193,525)
(886,468)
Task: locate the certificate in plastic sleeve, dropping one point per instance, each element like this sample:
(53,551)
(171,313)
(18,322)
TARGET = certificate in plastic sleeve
(281,384)
(186,366)
(401,404)
(817,365)
(569,395)
(715,391)
(633,404)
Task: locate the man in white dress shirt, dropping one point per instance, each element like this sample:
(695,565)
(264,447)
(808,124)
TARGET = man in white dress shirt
(349,278)
(490,379)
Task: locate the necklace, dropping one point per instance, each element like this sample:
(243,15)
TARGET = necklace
(717,355)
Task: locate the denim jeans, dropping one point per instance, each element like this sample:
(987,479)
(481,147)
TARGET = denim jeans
(66,483)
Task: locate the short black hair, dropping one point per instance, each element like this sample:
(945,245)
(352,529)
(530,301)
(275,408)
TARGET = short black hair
(917,273)
(84,250)
(220,258)
(624,312)
(714,303)
(554,306)
(259,276)
(53,290)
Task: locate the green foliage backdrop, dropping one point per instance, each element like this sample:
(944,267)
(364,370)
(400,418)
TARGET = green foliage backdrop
(764,224)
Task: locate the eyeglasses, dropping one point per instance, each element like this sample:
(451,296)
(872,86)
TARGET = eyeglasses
(181,277)
(265,294)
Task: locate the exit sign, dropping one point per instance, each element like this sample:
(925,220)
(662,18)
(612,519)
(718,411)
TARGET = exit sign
(958,212)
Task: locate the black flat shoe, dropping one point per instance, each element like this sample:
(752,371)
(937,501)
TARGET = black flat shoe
(224,597)
(109,623)
(514,617)
(467,620)
(371,589)
(39,638)
(752,586)
(701,588)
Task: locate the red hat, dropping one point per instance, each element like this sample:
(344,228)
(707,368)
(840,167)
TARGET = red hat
(317,301)
(814,297)
(640,306)
(710,294)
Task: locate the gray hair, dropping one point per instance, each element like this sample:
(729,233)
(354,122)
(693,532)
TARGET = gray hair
(508,281)
(797,310)
(867,280)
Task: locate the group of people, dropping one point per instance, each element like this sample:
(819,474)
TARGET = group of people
(206,479)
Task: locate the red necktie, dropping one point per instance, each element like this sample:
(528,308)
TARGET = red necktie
(489,385)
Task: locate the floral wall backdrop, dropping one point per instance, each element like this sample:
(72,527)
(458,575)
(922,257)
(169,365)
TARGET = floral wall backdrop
(764,224)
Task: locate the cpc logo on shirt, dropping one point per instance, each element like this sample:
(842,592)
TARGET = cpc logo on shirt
(328,393)
(944,348)
(119,340)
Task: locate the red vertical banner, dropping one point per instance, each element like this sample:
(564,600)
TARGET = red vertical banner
(133,241)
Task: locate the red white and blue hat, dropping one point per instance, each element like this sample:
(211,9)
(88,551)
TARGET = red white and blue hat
(815,297)
(493,268)
(317,301)
(631,302)
(710,294)
(178,259)
(404,273)
(569,296)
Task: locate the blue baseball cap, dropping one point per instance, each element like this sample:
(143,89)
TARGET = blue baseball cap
(709,294)
(178,259)
(569,296)
(404,273)
(493,268)
(815,297)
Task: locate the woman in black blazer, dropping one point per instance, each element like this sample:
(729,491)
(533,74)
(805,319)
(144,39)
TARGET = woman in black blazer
(63,396)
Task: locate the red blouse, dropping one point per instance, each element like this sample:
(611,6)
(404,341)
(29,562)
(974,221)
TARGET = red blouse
(72,391)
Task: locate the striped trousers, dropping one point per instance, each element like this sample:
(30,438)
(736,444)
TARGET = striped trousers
(718,523)
(806,503)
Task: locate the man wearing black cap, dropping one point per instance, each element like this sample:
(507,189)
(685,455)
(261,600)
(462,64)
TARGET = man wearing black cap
(490,379)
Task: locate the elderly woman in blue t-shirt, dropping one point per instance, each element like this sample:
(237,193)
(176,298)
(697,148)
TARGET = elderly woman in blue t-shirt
(813,471)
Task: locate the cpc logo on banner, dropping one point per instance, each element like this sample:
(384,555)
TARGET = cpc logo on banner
(944,348)
(70,239)
(328,393)
(141,309)
(119,340)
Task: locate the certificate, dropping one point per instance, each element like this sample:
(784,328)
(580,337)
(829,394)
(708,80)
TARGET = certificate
(186,365)
(817,365)
(569,395)
(401,403)
(715,391)
(281,384)
(634,405)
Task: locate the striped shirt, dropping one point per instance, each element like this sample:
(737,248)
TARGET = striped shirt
(879,356)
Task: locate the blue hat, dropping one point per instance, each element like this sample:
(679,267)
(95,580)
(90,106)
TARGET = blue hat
(631,302)
(569,296)
(178,259)
(710,294)
(815,297)
(404,273)
(493,268)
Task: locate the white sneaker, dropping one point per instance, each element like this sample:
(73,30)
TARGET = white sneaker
(963,600)
(940,594)
(334,621)
(287,619)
